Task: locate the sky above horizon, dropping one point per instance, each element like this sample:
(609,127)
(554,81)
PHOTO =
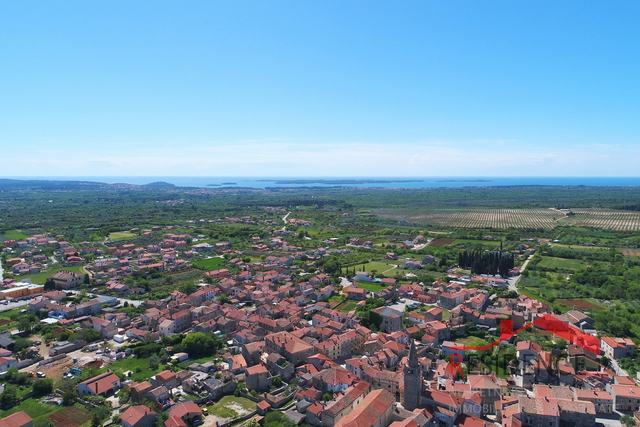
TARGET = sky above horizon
(319,89)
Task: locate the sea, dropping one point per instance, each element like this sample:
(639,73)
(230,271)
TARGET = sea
(377,182)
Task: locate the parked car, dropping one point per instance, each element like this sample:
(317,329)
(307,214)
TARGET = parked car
(41,375)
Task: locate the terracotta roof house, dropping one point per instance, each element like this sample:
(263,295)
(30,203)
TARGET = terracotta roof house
(104,385)
(376,409)
(19,419)
(187,412)
(138,416)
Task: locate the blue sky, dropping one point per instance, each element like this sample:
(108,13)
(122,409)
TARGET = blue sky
(310,88)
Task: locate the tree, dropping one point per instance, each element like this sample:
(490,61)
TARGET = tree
(96,421)
(154,361)
(9,397)
(188,288)
(49,285)
(69,397)
(124,395)
(223,299)
(25,324)
(43,386)
(277,382)
(327,396)
(200,344)
(627,421)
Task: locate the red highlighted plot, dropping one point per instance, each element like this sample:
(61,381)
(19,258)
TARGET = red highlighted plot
(546,322)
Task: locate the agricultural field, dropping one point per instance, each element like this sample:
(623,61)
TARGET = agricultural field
(210,263)
(478,218)
(606,219)
(121,235)
(13,234)
(441,243)
(553,263)
(630,252)
(70,417)
(580,304)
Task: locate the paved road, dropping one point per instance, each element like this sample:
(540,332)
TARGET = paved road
(514,280)
(133,302)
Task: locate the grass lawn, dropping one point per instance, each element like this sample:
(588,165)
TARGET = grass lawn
(472,341)
(553,263)
(210,263)
(186,363)
(445,314)
(371,286)
(377,266)
(40,278)
(133,364)
(32,407)
(121,235)
(347,306)
(577,247)
(223,408)
(15,235)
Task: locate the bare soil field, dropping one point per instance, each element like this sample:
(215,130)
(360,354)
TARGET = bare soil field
(581,304)
(70,417)
(623,251)
(441,243)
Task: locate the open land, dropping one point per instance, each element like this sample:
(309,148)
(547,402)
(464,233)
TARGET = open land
(277,256)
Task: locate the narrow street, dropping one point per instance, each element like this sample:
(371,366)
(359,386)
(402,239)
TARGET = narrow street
(514,280)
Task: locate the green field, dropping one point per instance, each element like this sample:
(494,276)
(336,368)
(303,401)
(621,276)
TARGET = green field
(121,235)
(139,367)
(553,263)
(223,408)
(477,242)
(346,306)
(577,247)
(210,263)
(382,267)
(40,278)
(33,408)
(371,286)
(13,234)
(472,341)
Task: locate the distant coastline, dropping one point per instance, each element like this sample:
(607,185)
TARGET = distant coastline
(243,182)
(463,180)
(336,181)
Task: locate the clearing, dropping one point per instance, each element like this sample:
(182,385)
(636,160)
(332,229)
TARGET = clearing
(70,417)
(553,263)
(229,408)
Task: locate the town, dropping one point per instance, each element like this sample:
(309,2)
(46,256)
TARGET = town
(266,329)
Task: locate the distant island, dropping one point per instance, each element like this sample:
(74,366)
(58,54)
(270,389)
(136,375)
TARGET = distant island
(464,180)
(338,181)
(220,185)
